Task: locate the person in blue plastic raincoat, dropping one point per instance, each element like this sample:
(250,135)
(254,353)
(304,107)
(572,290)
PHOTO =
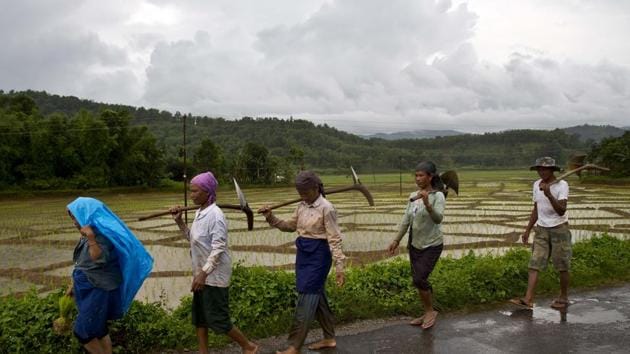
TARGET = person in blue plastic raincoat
(110,265)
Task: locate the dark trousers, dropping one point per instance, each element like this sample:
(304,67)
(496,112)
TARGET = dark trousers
(309,307)
(422,264)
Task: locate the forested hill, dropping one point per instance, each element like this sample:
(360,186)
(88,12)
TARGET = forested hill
(416,134)
(595,132)
(287,144)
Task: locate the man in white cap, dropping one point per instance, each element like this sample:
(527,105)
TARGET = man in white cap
(552,237)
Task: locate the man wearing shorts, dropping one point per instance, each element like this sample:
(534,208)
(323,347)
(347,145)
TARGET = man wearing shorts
(552,237)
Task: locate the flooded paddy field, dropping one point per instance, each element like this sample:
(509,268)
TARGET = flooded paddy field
(492,210)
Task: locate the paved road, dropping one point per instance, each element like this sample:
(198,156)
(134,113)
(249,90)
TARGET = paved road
(596,322)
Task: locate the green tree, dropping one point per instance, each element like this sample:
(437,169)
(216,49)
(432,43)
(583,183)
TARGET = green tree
(613,153)
(134,158)
(209,157)
(296,157)
(254,165)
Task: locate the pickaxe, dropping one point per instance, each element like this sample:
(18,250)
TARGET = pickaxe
(357,186)
(576,161)
(450,180)
(243,206)
(588,166)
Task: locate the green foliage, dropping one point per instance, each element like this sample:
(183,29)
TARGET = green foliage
(254,165)
(262,301)
(255,150)
(613,153)
(83,151)
(26,325)
(149,326)
(209,157)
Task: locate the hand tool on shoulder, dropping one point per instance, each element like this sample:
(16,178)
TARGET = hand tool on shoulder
(450,180)
(588,166)
(243,206)
(356,186)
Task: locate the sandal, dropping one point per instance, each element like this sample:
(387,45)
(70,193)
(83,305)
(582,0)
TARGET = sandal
(323,344)
(519,301)
(430,322)
(560,304)
(417,321)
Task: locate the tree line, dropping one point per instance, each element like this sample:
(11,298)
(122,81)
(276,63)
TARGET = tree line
(50,141)
(105,148)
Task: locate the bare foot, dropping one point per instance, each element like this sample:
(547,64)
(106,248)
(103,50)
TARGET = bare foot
(251,349)
(324,343)
(289,350)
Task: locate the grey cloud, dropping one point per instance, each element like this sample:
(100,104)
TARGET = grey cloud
(115,86)
(22,18)
(46,48)
(362,66)
(56,60)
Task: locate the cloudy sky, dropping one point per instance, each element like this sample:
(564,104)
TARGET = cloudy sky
(363,66)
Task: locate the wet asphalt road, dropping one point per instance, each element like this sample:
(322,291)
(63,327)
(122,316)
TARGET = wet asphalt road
(597,321)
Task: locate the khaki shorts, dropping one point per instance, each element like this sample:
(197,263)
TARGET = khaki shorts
(551,242)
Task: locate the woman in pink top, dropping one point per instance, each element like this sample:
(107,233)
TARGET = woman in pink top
(318,243)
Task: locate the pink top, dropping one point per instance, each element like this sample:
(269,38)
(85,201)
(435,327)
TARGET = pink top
(317,221)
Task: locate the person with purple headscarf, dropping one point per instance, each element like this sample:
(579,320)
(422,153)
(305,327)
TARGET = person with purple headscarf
(211,264)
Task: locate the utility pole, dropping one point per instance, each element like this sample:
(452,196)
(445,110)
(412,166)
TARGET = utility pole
(185,176)
(400,173)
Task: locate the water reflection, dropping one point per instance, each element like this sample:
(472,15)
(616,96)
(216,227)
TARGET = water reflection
(574,314)
(426,341)
(538,313)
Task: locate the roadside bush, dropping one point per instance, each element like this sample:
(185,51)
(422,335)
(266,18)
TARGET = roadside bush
(26,325)
(262,301)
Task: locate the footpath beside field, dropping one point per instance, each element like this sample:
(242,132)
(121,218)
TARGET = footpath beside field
(597,321)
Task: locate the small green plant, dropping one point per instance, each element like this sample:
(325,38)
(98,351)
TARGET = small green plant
(63,325)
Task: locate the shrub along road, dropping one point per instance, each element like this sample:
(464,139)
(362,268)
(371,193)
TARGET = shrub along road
(597,321)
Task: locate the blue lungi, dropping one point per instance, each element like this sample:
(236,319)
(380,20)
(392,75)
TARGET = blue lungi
(96,306)
(312,264)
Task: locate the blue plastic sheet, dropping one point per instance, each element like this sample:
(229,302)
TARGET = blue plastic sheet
(135,261)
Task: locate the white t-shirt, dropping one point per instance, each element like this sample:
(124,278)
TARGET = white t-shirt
(547,216)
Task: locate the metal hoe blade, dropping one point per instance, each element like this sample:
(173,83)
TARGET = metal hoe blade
(241,196)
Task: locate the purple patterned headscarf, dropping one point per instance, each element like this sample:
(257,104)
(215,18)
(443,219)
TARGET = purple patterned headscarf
(207,183)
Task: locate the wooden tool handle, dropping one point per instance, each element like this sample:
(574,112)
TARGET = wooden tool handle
(588,166)
(162,213)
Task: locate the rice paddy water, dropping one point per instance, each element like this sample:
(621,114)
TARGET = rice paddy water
(492,210)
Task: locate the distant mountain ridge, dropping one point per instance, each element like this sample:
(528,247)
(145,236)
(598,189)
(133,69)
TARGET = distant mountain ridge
(595,132)
(416,134)
(585,132)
